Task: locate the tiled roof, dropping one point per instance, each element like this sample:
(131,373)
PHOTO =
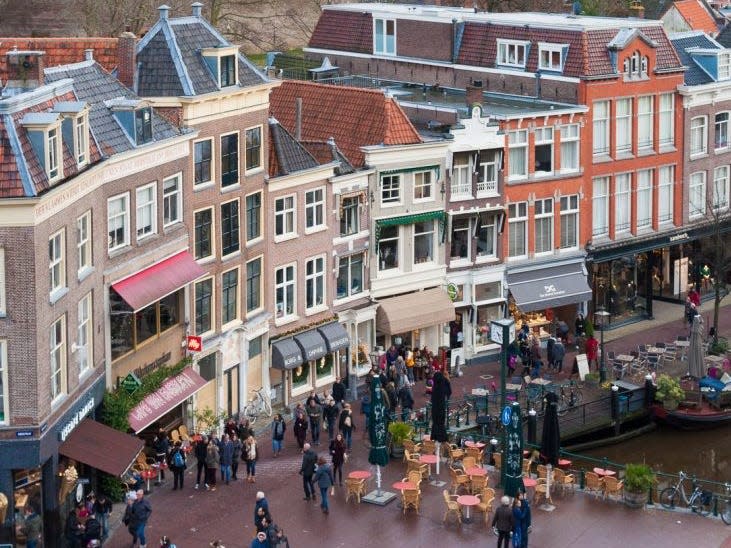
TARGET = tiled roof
(696,15)
(342,30)
(328,151)
(171,63)
(354,117)
(695,75)
(63,51)
(286,155)
(724,37)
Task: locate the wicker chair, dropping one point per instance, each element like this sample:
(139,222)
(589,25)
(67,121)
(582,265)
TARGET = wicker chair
(527,465)
(453,507)
(612,488)
(593,484)
(412,447)
(477,484)
(414,477)
(468,462)
(498,458)
(354,488)
(411,498)
(455,453)
(428,447)
(413,465)
(485,505)
(475,453)
(459,479)
(183,431)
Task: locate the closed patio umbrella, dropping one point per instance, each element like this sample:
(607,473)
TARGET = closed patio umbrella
(514,453)
(695,350)
(441,392)
(551,437)
(378,455)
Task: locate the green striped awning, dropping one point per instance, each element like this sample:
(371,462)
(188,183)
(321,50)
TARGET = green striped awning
(440,216)
(411,170)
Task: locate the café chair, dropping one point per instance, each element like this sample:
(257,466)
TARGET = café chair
(469,462)
(453,507)
(459,479)
(475,453)
(593,483)
(455,453)
(477,484)
(410,498)
(354,488)
(428,447)
(183,431)
(485,504)
(412,447)
(613,488)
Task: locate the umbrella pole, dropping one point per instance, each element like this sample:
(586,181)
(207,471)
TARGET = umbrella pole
(438,453)
(378,479)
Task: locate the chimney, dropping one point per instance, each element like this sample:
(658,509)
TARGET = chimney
(88,54)
(298,119)
(474,93)
(164,11)
(25,68)
(127,59)
(197,9)
(637,10)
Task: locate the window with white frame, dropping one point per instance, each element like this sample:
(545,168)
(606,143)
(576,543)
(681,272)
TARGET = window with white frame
(600,206)
(227,70)
(118,221)
(512,53)
(284,291)
(315,282)
(698,135)
(81,139)
(697,195)
(53,155)
(57,261)
(350,275)
(544,150)
(721,134)
(172,200)
(203,244)
(518,229)
(424,242)
(4,404)
(230,228)
(645,122)
(143,125)
(390,189)
(384,37)
(600,140)
(423,185)
(253,148)
(644,198)
(349,215)
(544,225)
(461,181)
(3,301)
(622,202)
(315,208)
(203,161)
(570,135)
(230,296)
(253,216)
(83,242)
(666,122)
(57,344)
(487,173)
(724,65)
(550,56)
(461,232)
(518,154)
(284,216)
(253,284)
(388,248)
(720,187)
(204,306)
(569,221)
(487,236)
(665,183)
(84,334)
(229,159)
(146,200)
(624,125)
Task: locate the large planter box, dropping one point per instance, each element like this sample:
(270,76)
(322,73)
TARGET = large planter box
(635,499)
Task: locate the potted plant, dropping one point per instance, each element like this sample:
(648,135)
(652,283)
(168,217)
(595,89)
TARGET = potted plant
(591,379)
(399,432)
(637,482)
(669,392)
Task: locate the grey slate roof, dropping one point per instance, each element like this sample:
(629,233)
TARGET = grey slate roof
(695,75)
(724,37)
(95,85)
(170,61)
(287,155)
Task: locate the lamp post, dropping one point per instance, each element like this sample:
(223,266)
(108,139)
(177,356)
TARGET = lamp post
(601,319)
(502,332)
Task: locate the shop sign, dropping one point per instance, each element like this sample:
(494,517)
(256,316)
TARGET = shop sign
(74,421)
(195,344)
(452,291)
(679,237)
(24,434)
(550,290)
(130,383)
(150,367)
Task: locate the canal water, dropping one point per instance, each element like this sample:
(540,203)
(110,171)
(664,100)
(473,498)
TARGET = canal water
(705,454)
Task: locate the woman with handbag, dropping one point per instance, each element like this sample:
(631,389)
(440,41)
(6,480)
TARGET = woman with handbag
(339,457)
(250,455)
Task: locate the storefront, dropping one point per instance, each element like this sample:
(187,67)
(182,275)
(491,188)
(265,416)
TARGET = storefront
(542,295)
(309,360)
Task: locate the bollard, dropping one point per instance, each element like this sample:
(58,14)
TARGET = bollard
(649,390)
(581,479)
(532,426)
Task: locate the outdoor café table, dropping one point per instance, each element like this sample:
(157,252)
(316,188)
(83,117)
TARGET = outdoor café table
(428,459)
(530,483)
(564,463)
(624,358)
(512,387)
(147,475)
(476,471)
(603,472)
(683,345)
(541,382)
(401,485)
(468,501)
(475,444)
(655,350)
(359,474)
(161,466)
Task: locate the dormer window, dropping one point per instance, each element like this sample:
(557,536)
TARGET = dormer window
(384,37)
(44,135)
(636,66)
(512,53)
(724,66)
(552,56)
(75,129)
(222,62)
(135,117)
(143,125)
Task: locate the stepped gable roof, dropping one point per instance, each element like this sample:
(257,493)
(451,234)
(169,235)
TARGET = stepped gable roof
(286,155)
(63,51)
(353,117)
(171,63)
(343,30)
(684,41)
(696,15)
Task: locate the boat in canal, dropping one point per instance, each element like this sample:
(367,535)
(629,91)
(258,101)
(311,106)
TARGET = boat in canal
(707,405)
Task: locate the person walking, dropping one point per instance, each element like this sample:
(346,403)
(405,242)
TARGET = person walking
(102,511)
(213,459)
(238,448)
(550,345)
(330,416)
(407,402)
(300,426)
(244,429)
(279,427)
(307,470)
(161,445)
(200,449)
(337,451)
(338,391)
(518,516)
(325,480)
(314,413)
(227,457)
(260,540)
(261,502)
(176,461)
(503,521)
(346,425)
(137,514)
(559,351)
(251,455)
(32,527)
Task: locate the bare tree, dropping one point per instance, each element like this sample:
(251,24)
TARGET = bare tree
(718,219)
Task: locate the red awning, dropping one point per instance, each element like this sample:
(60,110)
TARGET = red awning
(172,393)
(161,279)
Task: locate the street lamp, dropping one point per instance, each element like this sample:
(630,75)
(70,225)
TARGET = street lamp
(601,319)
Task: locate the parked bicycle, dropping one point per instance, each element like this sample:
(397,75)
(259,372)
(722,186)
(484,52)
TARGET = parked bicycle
(700,501)
(570,399)
(724,505)
(258,405)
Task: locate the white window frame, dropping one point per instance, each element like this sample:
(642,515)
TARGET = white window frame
(54,154)
(349,215)
(122,215)
(423,186)
(253,131)
(645,122)
(623,125)
(387,46)
(315,207)
(665,191)
(317,275)
(461,225)
(491,221)
(347,262)
(543,211)
(260,288)
(487,186)
(4,395)
(570,146)
(644,198)
(425,233)
(569,209)
(84,244)
(85,333)
(551,50)
(288,216)
(723,61)
(504,49)
(237,297)
(517,140)
(461,181)
(544,136)
(600,207)
(601,144)
(622,203)
(212,236)
(698,142)
(172,195)
(141,206)
(518,222)
(3,297)
(721,128)
(81,139)
(57,263)
(666,122)
(287,281)
(399,250)
(391,189)
(697,195)
(223,136)
(57,363)
(720,188)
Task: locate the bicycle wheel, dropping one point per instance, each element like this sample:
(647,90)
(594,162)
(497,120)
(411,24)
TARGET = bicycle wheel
(725,511)
(701,504)
(669,497)
(562,407)
(250,413)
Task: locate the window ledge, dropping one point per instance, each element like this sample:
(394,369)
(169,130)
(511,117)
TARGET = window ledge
(117,251)
(542,174)
(487,194)
(349,298)
(169,227)
(233,324)
(284,320)
(232,255)
(285,237)
(254,241)
(203,186)
(698,155)
(459,263)
(57,294)
(251,313)
(645,152)
(424,265)
(667,148)
(517,178)
(601,158)
(231,187)
(487,260)
(315,229)
(391,204)
(624,155)
(316,309)
(344,238)
(84,273)
(723,150)
(206,260)
(460,197)
(423,200)
(254,170)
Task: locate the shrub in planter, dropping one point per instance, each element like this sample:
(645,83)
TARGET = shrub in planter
(399,432)
(638,480)
(669,391)
(591,379)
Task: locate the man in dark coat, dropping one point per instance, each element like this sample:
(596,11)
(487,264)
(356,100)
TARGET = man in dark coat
(503,521)
(338,392)
(307,470)
(441,392)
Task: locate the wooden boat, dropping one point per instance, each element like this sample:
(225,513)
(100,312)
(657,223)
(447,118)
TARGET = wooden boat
(704,416)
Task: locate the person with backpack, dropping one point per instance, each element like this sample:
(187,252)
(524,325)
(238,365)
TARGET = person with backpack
(176,461)
(200,450)
(279,427)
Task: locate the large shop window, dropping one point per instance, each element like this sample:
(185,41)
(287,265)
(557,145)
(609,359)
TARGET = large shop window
(485,314)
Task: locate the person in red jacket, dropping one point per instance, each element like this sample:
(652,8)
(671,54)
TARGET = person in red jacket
(592,351)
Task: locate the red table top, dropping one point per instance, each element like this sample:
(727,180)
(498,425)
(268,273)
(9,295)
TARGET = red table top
(476,471)
(428,459)
(564,462)
(401,485)
(603,472)
(359,474)
(468,500)
(162,465)
(148,474)
(476,444)
(530,482)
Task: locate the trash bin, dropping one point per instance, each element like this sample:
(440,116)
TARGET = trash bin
(623,405)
